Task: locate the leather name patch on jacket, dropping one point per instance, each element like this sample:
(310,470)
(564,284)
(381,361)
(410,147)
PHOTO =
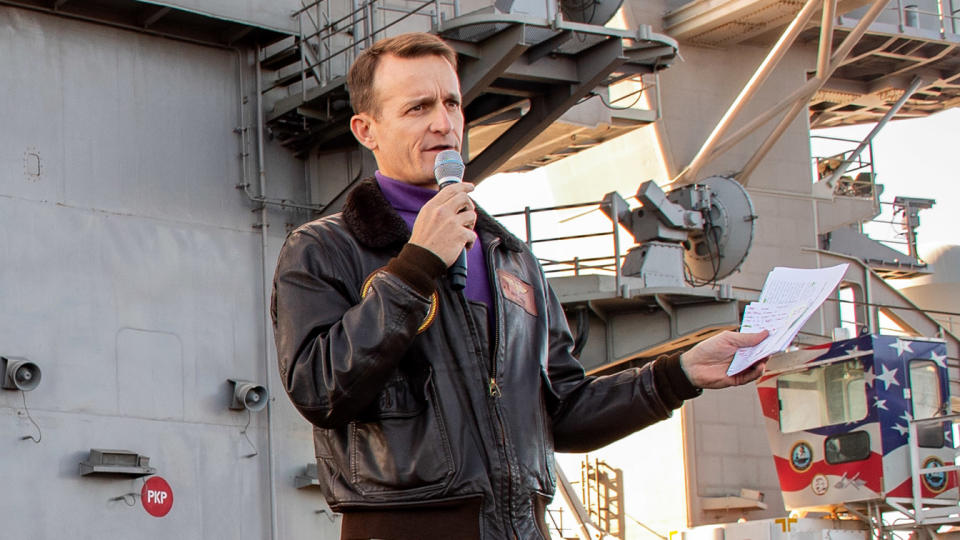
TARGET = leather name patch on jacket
(518,291)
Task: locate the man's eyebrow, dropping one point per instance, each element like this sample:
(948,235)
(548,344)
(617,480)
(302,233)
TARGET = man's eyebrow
(418,100)
(426,99)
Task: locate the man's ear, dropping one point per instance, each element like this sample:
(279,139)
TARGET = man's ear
(363,129)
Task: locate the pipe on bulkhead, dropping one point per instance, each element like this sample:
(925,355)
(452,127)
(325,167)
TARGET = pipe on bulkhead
(245,186)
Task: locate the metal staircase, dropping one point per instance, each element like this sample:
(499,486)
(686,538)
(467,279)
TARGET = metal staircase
(519,74)
(921,516)
(920,510)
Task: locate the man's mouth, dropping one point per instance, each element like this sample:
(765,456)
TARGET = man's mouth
(440,148)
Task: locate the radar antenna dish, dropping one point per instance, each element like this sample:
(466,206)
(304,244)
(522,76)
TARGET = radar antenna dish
(597,12)
(696,234)
(719,248)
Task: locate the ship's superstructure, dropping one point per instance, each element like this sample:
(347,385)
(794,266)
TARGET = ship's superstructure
(155,154)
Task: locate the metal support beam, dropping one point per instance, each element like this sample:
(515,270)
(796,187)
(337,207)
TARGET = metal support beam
(918,62)
(744,175)
(546,47)
(773,58)
(835,61)
(496,107)
(154,15)
(517,136)
(854,36)
(593,66)
(236,36)
(667,308)
(608,334)
(649,55)
(573,503)
(312,113)
(496,55)
(801,93)
(826,38)
(914,86)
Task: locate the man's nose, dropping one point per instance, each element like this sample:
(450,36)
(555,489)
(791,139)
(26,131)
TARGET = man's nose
(441,121)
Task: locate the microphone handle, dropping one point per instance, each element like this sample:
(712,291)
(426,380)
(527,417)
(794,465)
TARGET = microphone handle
(458,272)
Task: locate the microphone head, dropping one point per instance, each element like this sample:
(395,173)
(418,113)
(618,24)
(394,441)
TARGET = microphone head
(448,167)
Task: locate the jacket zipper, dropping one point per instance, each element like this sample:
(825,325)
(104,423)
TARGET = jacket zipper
(494,388)
(493,393)
(495,289)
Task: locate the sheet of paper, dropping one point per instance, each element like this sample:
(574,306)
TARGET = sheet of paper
(774,318)
(788,299)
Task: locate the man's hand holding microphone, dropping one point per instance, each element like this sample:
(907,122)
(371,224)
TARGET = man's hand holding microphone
(445,223)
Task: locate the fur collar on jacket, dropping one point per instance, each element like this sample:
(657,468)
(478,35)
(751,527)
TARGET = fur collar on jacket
(375,224)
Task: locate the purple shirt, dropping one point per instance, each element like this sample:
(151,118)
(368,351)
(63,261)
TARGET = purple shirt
(407,200)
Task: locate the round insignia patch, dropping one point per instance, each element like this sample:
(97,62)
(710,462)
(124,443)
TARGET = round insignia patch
(935,481)
(801,456)
(820,484)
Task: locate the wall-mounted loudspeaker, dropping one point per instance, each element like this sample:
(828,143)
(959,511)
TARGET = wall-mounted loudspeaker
(247,395)
(19,374)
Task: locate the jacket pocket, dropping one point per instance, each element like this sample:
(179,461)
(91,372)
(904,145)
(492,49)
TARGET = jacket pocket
(401,449)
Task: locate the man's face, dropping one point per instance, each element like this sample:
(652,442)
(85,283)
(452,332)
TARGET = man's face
(419,116)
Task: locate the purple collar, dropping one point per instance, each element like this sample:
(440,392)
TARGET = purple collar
(402,196)
(407,200)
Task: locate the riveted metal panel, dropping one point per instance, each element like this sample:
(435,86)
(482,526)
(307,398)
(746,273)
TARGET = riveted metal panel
(133,275)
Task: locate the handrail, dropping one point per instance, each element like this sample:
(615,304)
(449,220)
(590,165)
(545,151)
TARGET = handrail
(361,19)
(850,165)
(916,470)
(943,14)
(305,7)
(609,263)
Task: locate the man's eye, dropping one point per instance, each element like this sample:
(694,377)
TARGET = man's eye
(416,108)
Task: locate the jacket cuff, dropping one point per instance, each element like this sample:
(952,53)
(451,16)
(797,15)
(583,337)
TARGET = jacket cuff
(418,267)
(672,383)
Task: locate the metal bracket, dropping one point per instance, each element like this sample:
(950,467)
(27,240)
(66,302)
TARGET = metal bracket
(595,64)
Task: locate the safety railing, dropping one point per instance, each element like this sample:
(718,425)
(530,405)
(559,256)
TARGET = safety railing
(899,233)
(858,179)
(559,525)
(890,224)
(574,265)
(925,510)
(909,15)
(318,29)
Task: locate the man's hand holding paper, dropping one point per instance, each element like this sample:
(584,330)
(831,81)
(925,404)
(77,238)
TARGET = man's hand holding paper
(706,364)
(789,297)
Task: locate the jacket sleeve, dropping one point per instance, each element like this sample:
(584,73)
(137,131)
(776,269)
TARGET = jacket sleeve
(590,412)
(337,350)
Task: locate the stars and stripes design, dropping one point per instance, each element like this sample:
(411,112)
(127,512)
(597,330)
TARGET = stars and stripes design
(896,355)
(885,471)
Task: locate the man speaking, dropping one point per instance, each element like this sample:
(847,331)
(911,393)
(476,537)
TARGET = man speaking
(436,408)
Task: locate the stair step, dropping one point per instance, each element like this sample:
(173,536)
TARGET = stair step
(940,512)
(282,58)
(285,80)
(292,103)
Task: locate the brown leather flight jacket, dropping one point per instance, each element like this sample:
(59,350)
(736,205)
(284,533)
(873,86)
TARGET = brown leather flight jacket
(415,402)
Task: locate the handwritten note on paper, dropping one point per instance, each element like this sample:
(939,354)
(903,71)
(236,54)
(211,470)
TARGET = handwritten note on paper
(789,297)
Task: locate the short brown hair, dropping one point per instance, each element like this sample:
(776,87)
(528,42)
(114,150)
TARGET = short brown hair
(412,45)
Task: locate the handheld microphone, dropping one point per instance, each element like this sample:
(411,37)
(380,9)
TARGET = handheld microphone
(448,169)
